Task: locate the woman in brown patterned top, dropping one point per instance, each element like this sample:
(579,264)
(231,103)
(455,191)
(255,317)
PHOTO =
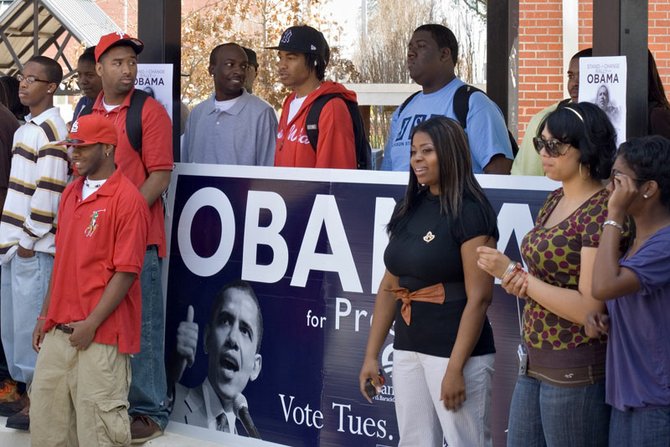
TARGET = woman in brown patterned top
(560,401)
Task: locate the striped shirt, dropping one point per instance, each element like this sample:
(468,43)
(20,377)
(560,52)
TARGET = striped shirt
(38,176)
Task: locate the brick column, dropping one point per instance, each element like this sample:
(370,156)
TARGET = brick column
(541,74)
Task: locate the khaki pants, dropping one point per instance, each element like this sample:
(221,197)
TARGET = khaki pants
(79,397)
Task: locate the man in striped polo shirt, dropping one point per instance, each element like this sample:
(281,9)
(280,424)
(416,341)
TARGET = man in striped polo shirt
(38,174)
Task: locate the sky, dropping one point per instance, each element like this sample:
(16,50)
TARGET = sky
(347,14)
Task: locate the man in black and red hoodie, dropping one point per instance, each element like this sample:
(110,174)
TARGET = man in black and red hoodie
(303,57)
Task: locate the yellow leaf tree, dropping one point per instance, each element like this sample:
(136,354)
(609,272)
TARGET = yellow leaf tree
(255,24)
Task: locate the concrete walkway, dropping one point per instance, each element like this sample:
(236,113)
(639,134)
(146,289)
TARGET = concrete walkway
(176,435)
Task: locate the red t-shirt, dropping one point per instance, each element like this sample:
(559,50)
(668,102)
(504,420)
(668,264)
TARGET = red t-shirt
(156,154)
(97,237)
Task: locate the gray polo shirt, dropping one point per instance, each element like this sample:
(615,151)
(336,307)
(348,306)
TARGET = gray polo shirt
(243,135)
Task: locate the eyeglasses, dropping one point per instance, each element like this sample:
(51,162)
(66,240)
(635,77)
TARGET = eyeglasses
(30,79)
(554,147)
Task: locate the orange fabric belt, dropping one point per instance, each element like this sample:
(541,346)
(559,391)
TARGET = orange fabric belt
(431,294)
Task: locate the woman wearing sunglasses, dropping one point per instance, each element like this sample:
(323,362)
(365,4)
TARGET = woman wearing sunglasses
(560,400)
(637,290)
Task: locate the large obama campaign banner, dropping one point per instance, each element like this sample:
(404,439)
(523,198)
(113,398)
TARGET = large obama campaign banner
(309,244)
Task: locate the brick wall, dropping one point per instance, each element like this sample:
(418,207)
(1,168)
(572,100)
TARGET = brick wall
(116,9)
(123,12)
(585,20)
(541,75)
(659,42)
(541,72)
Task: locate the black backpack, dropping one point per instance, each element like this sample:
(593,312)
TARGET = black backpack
(363,151)
(462,107)
(133,118)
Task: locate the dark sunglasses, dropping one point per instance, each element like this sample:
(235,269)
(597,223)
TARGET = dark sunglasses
(553,147)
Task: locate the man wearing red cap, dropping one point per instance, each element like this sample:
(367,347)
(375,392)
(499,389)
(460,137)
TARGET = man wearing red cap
(148,167)
(90,320)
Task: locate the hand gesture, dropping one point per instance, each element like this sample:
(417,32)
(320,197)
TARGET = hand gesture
(623,191)
(369,370)
(492,261)
(596,324)
(452,392)
(38,335)
(187,338)
(83,334)
(516,283)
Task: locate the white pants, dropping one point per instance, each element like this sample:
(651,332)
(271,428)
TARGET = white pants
(422,418)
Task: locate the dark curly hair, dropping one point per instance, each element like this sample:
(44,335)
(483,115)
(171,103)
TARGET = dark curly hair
(649,158)
(588,129)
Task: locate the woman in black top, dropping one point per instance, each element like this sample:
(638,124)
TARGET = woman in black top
(432,288)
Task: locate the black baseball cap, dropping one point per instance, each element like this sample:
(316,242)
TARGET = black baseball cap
(251,56)
(303,39)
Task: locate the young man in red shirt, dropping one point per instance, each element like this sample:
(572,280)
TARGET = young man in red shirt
(90,320)
(149,169)
(303,57)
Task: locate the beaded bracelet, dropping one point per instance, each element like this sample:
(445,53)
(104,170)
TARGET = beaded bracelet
(615,224)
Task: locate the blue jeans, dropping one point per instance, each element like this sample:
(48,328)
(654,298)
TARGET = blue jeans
(640,427)
(148,388)
(4,370)
(546,415)
(24,283)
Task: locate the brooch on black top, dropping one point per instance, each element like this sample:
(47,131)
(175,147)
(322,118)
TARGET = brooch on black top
(428,237)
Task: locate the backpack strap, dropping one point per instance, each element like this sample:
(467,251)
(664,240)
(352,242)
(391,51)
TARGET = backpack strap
(462,103)
(462,107)
(362,146)
(363,149)
(402,106)
(134,119)
(87,109)
(313,114)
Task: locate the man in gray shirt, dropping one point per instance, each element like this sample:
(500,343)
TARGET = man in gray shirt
(232,126)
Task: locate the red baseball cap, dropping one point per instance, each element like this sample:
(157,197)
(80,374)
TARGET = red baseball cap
(114,39)
(91,129)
